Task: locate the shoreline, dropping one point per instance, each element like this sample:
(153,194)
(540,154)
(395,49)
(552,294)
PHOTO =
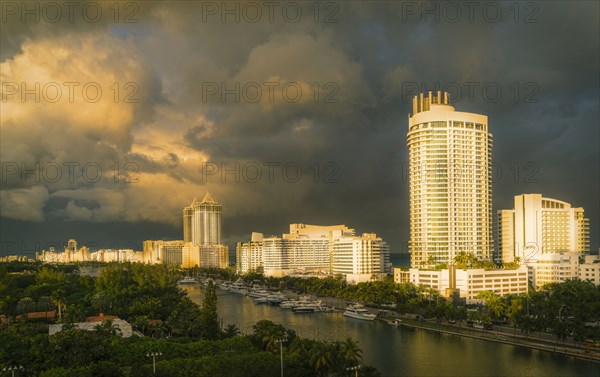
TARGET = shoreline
(557,348)
(547,345)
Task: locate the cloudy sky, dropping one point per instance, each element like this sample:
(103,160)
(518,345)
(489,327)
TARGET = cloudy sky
(114,117)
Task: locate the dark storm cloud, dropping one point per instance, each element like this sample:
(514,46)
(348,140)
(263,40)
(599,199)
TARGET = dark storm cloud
(544,121)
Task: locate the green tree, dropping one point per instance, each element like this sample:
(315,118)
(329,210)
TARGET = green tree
(493,303)
(266,333)
(322,359)
(351,352)
(25,305)
(59,299)
(209,318)
(231,331)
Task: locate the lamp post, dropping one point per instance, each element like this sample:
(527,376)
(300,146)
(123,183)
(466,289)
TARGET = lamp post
(12,369)
(153,355)
(280,341)
(355,369)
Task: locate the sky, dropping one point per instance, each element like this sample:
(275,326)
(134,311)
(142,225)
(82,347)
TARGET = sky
(115,115)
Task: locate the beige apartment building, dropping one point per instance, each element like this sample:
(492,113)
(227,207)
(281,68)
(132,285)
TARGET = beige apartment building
(450,172)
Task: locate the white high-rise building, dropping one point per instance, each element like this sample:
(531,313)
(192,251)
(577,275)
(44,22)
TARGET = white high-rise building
(306,248)
(538,225)
(360,257)
(249,255)
(450,171)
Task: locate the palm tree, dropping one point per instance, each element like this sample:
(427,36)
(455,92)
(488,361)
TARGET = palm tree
(270,343)
(302,347)
(107,328)
(58,298)
(231,331)
(322,359)
(351,353)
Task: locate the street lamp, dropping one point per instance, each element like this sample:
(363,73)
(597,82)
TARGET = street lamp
(280,341)
(12,369)
(153,355)
(355,369)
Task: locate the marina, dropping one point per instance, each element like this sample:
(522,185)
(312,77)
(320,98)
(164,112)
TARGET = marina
(300,305)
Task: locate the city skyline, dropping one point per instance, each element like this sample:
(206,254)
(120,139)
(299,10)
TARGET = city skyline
(295,188)
(171,144)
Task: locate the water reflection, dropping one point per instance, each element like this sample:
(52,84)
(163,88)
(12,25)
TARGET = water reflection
(401,351)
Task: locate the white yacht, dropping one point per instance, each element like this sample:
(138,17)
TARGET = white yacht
(238,287)
(276,298)
(291,304)
(225,286)
(188,280)
(308,307)
(359,312)
(257,292)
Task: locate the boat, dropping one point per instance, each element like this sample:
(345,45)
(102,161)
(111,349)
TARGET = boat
(225,286)
(291,304)
(261,300)
(238,287)
(359,312)
(308,307)
(257,292)
(188,280)
(276,298)
(397,322)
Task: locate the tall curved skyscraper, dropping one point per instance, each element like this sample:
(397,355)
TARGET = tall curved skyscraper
(206,223)
(450,171)
(202,235)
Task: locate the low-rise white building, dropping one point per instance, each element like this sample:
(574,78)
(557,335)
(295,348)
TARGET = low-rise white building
(123,327)
(503,282)
(553,268)
(590,269)
(469,282)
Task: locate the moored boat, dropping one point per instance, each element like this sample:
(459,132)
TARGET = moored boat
(238,287)
(359,312)
(257,292)
(188,280)
(276,298)
(306,306)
